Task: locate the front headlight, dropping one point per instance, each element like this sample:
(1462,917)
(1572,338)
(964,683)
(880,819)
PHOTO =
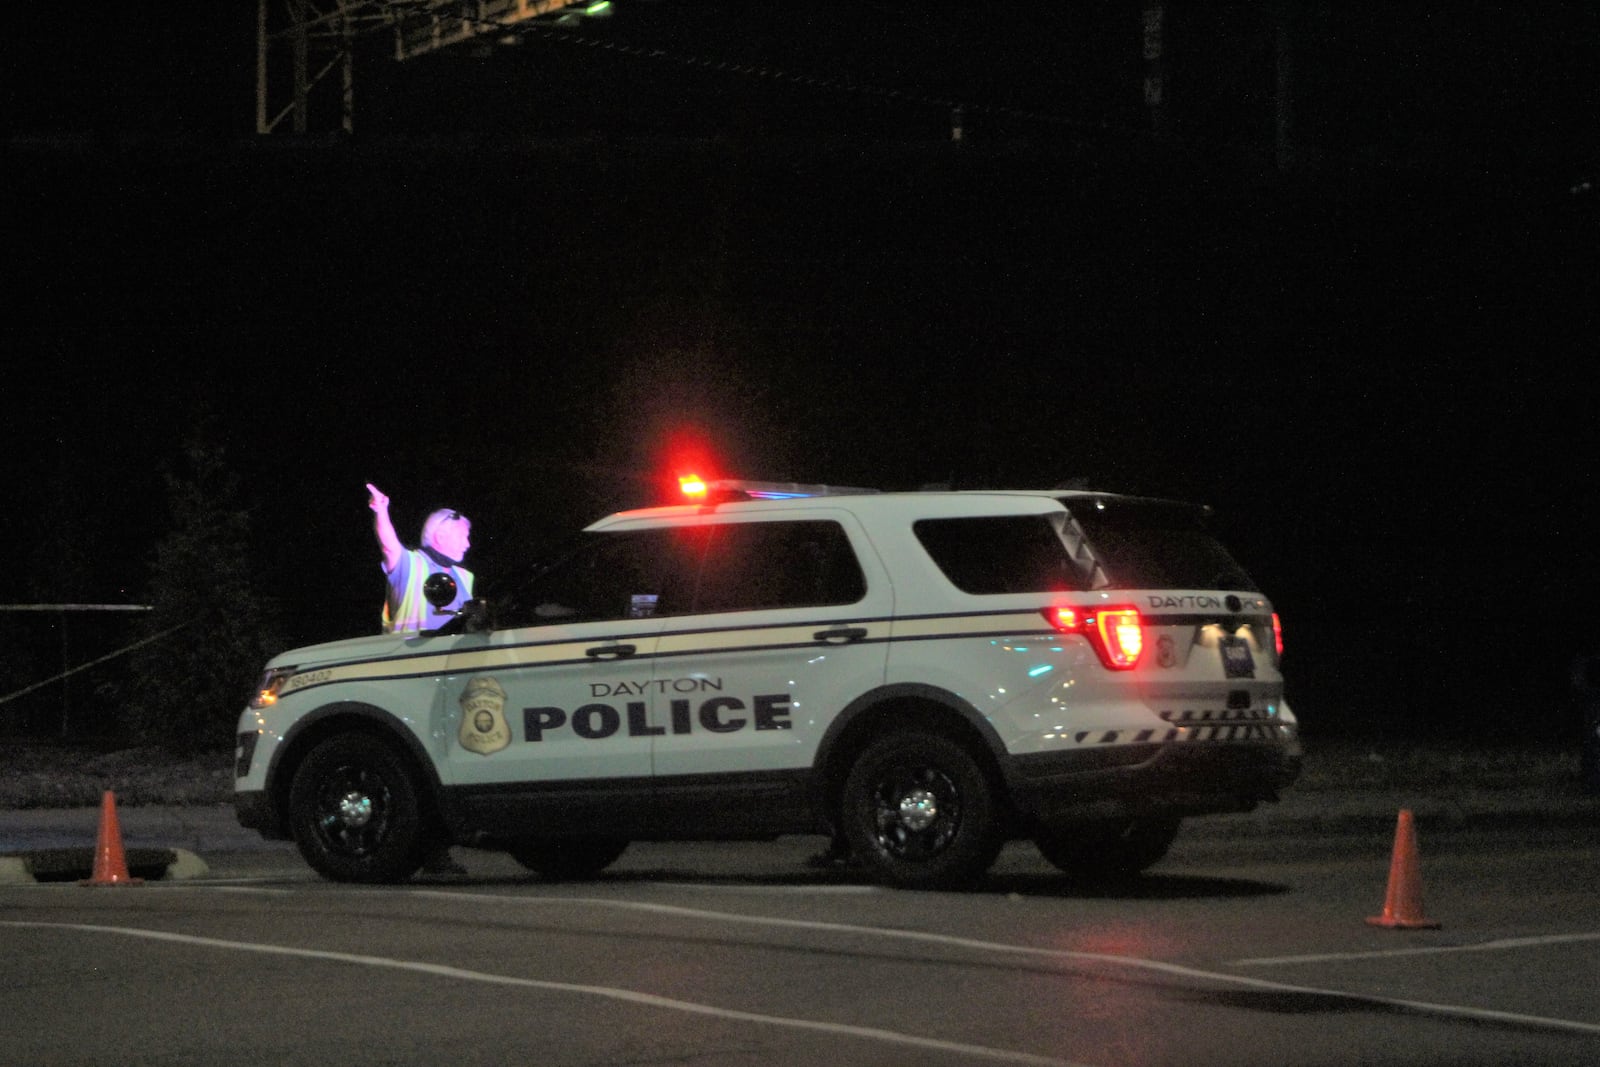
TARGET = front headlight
(270,685)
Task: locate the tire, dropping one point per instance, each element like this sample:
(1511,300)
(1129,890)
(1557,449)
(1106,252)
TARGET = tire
(1107,851)
(568,859)
(920,812)
(355,811)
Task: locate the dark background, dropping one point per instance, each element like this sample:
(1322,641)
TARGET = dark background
(539,275)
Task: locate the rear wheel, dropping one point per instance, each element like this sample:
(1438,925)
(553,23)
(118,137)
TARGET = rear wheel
(1099,851)
(355,811)
(920,812)
(568,859)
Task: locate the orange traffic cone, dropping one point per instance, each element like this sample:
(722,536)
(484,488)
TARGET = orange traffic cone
(1402,906)
(110,865)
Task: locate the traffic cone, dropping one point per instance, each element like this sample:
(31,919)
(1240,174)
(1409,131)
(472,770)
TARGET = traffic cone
(1402,906)
(110,865)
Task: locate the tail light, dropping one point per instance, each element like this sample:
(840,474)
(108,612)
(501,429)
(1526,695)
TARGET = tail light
(692,486)
(1116,634)
(1277,634)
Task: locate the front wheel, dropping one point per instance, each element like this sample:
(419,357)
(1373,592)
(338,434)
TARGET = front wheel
(1111,850)
(356,813)
(568,859)
(920,812)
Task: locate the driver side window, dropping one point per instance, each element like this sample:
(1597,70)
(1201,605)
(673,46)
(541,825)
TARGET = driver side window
(636,575)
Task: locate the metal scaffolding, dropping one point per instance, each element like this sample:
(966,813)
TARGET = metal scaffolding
(303,44)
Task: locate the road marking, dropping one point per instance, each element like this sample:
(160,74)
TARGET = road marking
(1502,945)
(778,890)
(1447,1010)
(649,1000)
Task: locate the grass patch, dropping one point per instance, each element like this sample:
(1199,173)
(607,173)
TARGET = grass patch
(52,776)
(1357,766)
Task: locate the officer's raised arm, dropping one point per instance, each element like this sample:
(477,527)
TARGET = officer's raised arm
(388,540)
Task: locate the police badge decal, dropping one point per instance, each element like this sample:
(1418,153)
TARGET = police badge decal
(483,717)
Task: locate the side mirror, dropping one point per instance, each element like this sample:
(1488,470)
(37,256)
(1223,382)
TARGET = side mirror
(439,590)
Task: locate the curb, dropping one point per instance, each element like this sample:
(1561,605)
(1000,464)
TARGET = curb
(202,829)
(77,864)
(37,844)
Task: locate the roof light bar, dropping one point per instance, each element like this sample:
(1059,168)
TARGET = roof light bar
(697,488)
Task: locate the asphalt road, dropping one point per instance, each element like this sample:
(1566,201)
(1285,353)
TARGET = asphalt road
(1235,950)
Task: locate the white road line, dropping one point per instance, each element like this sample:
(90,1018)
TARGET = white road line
(1448,1010)
(1502,945)
(775,890)
(649,1000)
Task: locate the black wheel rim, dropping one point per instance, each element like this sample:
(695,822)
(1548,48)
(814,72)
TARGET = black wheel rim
(916,812)
(352,811)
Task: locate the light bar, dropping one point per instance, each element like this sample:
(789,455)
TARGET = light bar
(781,490)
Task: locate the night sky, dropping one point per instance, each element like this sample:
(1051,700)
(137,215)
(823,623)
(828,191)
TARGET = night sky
(536,270)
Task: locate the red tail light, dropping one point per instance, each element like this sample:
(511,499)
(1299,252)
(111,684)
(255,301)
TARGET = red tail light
(1277,634)
(1117,634)
(692,486)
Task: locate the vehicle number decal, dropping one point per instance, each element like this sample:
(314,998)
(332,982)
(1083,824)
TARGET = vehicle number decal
(300,681)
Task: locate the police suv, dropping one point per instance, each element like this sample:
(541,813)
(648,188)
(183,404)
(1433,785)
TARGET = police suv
(929,674)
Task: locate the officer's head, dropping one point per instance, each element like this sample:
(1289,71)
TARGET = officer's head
(448,532)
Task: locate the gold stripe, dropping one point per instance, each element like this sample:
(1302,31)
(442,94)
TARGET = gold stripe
(749,639)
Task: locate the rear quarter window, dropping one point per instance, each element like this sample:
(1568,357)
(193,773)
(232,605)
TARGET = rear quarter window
(991,555)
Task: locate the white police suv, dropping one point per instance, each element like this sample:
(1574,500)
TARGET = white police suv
(929,673)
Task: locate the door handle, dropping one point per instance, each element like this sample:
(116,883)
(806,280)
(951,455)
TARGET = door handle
(842,635)
(610,651)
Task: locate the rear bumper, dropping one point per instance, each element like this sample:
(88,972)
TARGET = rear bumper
(1170,778)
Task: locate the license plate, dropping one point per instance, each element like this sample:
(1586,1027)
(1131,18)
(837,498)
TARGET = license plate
(1237,662)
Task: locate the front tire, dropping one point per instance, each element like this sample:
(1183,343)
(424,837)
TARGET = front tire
(568,859)
(355,811)
(920,812)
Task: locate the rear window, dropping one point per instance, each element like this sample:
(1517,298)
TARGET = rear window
(999,554)
(1155,545)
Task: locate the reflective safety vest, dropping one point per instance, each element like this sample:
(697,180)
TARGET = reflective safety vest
(414,608)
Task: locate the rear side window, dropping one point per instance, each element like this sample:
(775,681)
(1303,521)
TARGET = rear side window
(1152,545)
(999,554)
(754,565)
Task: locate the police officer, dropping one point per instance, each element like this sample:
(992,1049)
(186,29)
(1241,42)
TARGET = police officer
(446,536)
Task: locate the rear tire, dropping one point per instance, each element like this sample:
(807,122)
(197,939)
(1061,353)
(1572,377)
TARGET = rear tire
(1107,851)
(355,811)
(920,812)
(568,859)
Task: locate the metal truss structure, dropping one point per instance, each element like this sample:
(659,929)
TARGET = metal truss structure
(305,44)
